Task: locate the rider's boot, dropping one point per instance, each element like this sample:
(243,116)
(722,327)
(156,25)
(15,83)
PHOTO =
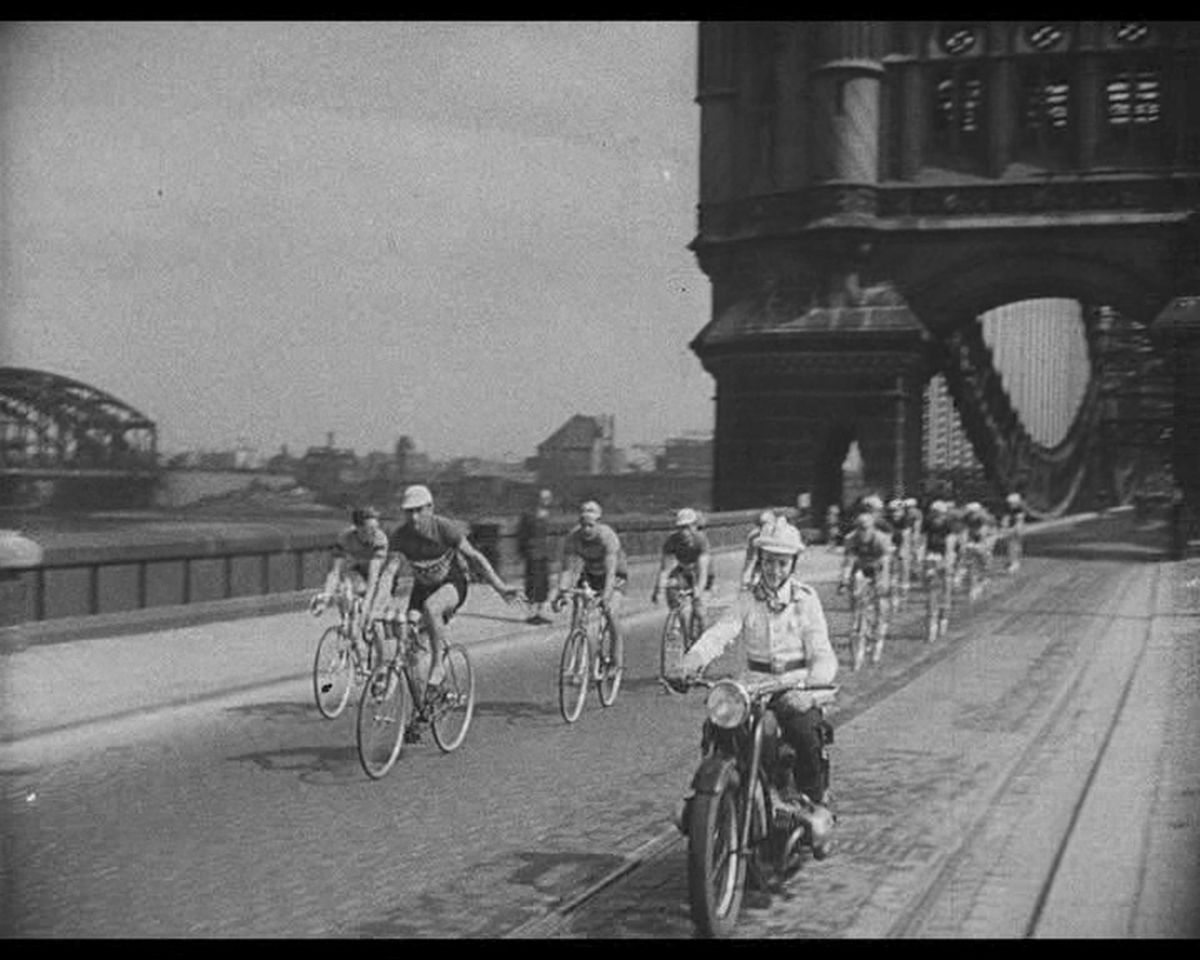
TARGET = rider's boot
(943,626)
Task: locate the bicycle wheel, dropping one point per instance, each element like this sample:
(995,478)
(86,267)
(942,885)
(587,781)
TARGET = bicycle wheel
(382,716)
(333,672)
(573,674)
(670,647)
(455,704)
(858,634)
(695,629)
(609,681)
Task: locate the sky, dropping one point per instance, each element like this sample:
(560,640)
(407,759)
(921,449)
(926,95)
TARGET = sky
(462,232)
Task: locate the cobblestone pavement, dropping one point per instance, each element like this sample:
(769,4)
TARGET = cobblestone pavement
(960,794)
(249,815)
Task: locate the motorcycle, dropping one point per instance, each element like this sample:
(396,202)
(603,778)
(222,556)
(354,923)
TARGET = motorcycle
(737,830)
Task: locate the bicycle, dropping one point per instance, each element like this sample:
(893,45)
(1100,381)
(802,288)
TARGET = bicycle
(975,560)
(339,665)
(938,577)
(386,707)
(865,616)
(680,631)
(587,655)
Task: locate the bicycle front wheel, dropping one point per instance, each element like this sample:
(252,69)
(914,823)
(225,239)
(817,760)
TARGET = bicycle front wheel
(333,672)
(382,716)
(609,680)
(670,647)
(573,676)
(455,703)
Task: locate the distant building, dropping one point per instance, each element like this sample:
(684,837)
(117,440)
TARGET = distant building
(946,444)
(688,456)
(583,446)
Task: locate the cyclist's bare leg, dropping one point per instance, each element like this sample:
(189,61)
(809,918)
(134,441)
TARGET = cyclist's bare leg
(439,602)
(881,624)
(699,613)
(613,613)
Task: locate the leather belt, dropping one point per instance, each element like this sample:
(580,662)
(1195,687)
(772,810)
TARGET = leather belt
(763,666)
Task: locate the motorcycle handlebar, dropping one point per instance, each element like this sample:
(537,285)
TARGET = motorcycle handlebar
(763,690)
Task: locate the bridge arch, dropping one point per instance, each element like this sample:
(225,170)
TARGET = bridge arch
(52,425)
(950,304)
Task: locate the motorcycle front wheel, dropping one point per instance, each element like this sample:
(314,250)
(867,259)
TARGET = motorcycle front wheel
(716,870)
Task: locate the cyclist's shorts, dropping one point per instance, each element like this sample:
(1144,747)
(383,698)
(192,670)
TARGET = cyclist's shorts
(356,580)
(422,592)
(596,581)
(682,578)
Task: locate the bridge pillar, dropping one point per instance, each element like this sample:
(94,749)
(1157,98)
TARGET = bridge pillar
(790,403)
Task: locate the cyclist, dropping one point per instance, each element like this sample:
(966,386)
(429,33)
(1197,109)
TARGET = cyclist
(433,546)
(359,555)
(833,526)
(1013,521)
(686,560)
(782,626)
(592,553)
(941,548)
(902,536)
(977,535)
(916,525)
(869,550)
(766,520)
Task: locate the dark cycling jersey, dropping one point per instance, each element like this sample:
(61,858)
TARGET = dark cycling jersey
(975,528)
(433,558)
(868,550)
(937,532)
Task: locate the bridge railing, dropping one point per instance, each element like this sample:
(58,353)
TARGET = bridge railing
(238,572)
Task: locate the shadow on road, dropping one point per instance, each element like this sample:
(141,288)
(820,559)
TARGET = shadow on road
(514,711)
(288,711)
(322,766)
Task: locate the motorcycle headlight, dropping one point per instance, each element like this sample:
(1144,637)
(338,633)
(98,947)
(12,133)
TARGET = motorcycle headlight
(728,704)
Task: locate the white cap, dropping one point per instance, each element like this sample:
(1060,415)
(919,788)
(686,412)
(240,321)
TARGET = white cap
(686,517)
(416,496)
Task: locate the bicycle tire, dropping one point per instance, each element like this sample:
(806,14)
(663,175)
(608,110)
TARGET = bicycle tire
(333,672)
(672,626)
(456,703)
(382,717)
(573,674)
(695,631)
(608,684)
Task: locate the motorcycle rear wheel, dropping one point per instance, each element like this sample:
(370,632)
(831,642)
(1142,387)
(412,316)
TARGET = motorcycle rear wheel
(716,869)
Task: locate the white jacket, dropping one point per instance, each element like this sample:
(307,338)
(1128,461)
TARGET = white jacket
(796,630)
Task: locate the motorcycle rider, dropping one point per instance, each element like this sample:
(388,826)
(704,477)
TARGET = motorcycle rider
(782,626)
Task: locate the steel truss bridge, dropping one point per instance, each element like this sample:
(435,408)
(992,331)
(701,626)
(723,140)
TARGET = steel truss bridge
(52,426)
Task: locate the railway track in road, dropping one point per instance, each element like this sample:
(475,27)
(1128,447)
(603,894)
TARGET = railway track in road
(997,870)
(1031,875)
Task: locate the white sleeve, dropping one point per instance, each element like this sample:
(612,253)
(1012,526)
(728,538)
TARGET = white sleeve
(716,638)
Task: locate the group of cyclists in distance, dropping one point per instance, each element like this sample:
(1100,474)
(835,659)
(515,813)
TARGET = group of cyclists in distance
(779,618)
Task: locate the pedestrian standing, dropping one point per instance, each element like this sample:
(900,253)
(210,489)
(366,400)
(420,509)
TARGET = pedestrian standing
(533,541)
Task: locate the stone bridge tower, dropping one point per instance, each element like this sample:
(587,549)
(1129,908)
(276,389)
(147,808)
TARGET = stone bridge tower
(868,189)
